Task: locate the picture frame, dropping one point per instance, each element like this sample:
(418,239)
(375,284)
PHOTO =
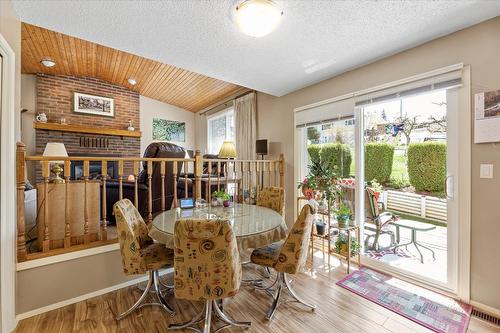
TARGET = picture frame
(169,130)
(93,105)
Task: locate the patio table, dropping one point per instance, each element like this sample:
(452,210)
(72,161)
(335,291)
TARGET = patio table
(414,227)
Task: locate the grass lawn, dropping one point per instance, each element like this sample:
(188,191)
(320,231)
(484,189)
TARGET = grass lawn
(404,216)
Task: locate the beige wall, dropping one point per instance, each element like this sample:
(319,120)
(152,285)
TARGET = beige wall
(479,47)
(42,286)
(10,29)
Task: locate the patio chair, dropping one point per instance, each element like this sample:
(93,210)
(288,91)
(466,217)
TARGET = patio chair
(378,222)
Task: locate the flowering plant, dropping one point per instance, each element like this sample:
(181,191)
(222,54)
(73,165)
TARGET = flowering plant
(321,180)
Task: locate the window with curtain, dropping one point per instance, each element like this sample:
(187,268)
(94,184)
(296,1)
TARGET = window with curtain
(220,129)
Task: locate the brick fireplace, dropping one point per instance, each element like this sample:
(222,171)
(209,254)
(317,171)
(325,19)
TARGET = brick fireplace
(55,99)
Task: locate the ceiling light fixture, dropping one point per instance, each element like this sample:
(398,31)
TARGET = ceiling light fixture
(47,62)
(257,18)
(132,81)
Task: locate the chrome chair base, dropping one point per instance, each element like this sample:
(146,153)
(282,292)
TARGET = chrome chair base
(153,282)
(280,285)
(210,308)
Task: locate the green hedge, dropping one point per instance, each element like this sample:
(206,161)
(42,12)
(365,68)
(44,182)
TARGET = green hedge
(336,154)
(427,166)
(378,162)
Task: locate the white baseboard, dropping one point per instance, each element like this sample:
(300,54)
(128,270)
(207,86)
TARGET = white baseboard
(84,297)
(486,308)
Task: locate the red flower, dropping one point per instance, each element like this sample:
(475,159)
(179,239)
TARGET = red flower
(309,193)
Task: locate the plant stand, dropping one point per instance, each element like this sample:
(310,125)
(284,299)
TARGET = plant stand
(329,227)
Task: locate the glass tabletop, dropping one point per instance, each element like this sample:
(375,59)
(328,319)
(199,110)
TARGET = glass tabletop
(246,219)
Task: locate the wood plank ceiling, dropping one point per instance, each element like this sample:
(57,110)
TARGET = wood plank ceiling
(73,56)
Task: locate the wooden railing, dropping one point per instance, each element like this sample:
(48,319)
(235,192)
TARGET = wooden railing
(82,204)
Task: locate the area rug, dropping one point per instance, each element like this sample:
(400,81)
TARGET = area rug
(432,310)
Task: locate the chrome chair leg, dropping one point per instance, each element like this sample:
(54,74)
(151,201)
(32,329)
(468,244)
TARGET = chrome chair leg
(152,282)
(162,300)
(276,299)
(190,324)
(294,294)
(228,320)
(208,317)
(141,299)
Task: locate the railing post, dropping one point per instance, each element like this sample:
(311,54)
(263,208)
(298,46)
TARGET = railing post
(198,172)
(104,223)
(21,182)
(45,175)
(67,217)
(282,170)
(150,192)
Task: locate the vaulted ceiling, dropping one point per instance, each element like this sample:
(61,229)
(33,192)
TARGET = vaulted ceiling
(78,57)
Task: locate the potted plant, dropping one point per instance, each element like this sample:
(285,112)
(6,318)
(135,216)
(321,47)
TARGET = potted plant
(320,227)
(376,188)
(321,180)
(343,214)
(341,245)
(222,198)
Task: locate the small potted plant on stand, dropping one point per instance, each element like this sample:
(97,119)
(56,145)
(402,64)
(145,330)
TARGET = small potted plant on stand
(221,198)
(343,214)
(341,245)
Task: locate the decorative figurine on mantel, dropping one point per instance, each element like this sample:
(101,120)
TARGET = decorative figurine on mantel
(130,127)
(41,118)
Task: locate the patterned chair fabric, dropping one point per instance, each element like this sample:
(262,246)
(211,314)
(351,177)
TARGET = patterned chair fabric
(139,253)
(272,197)
(206,263)
(291,255)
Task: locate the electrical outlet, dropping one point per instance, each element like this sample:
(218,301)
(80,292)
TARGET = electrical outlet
(486,171)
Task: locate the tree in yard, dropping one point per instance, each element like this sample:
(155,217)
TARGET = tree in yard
(409,124)
(313,135)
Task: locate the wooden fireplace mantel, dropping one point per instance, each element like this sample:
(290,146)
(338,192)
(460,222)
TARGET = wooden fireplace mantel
(86,129)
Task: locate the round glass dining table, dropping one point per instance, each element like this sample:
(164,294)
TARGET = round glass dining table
(253,226)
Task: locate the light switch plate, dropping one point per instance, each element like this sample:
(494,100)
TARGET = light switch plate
(486,171)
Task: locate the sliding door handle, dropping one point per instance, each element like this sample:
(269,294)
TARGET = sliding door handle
(448,193)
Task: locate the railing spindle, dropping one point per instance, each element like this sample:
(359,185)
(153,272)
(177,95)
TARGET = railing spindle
(209,188)
(282,172)
(218,176)
(21,185)
(250,182)
(242,172)
(86,234)
(104,223)
(150,192)
(162,172)
(198,173)
(174,173)
(275,165)
(136,186)
(120,179)
(45,176)
(185,181)
(67,217)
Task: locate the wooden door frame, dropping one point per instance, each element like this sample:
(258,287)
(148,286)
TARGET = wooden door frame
(8,320)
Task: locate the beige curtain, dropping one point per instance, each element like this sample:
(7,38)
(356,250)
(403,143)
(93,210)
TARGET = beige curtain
(245,109)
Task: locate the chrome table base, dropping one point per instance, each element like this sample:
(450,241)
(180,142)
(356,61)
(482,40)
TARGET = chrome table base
(210,308)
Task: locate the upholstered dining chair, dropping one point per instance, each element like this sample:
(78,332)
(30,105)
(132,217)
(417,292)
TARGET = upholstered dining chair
(207,268)
(286,257)
(272,197)
(140,255)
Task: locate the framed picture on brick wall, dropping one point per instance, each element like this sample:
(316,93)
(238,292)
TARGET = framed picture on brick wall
(93,105)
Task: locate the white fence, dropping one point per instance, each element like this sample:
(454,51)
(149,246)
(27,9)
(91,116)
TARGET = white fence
(416,204)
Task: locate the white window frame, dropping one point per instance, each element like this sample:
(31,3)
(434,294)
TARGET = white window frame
(218,115)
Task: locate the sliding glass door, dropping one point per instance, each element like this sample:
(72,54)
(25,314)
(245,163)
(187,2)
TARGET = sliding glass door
(395,151)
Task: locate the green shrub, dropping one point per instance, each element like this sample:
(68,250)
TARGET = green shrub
(378,162)
(313,151)
(337,155)
(427,166)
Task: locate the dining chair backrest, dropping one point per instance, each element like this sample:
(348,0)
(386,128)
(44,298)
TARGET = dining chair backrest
(132,235)
(273,198)
(206,260)
(293,253)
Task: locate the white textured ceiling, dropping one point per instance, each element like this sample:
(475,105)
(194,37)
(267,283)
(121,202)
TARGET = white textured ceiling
(316,39)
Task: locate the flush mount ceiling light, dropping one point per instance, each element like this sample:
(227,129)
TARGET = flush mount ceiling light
(47,62)
(257,18)
(132,81)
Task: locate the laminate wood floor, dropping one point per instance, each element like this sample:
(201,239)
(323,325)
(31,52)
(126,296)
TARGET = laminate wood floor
(338,310)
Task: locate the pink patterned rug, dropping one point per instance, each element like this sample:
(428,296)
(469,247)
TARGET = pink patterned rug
(432,310)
